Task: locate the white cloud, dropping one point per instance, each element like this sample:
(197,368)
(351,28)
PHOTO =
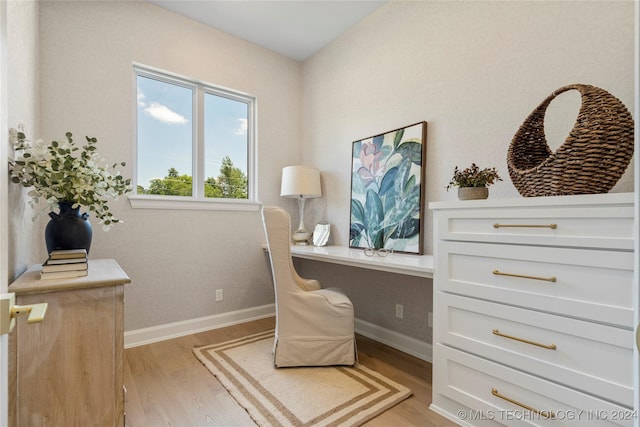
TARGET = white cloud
(141,102)
(164,114)
(242,128)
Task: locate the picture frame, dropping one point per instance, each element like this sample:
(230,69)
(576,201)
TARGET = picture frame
(388,190)
(321,234)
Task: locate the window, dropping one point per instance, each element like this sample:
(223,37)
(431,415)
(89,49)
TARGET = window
(195,143)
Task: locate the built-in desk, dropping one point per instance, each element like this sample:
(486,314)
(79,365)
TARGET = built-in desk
(412,265)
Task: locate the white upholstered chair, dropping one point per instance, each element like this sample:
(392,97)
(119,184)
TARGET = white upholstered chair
(314,325)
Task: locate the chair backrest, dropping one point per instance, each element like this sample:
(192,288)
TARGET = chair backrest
(277,228)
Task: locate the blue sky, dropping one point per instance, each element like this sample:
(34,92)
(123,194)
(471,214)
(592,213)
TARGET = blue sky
(165,126)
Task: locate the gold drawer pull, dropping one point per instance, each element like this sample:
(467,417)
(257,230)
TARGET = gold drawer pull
(511,337)
(551,226)
(522,276)
(545,414)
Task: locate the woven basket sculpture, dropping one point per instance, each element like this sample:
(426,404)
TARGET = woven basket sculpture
(591,160)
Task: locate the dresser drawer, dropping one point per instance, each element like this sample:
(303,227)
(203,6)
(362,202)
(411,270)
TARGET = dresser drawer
(608,227)
(589,284)
(560,349)
(499,395)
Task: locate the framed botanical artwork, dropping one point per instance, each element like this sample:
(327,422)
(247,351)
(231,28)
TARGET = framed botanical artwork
(387,190)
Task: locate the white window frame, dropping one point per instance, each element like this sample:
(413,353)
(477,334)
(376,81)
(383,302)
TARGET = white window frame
(197,201)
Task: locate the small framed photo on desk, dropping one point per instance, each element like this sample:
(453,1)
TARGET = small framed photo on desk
(321,234)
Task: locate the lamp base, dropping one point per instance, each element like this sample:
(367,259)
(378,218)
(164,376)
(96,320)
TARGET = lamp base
(301,237)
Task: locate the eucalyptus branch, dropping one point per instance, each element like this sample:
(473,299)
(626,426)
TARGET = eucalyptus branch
(60,171)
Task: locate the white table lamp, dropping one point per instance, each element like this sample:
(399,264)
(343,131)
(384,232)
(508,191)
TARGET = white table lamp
(300,182)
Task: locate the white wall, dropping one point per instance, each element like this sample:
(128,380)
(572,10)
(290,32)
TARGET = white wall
(23,103)
(176,259)
(474,71)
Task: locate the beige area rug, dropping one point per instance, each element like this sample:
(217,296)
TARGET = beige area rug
(322,396)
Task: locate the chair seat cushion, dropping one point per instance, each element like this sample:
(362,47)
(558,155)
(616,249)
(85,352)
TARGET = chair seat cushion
(334,297)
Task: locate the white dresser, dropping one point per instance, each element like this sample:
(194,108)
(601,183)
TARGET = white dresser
(533,311)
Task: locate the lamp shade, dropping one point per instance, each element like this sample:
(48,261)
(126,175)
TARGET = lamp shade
(300,181)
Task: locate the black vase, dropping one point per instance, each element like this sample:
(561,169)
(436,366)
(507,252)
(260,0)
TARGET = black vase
(68,229)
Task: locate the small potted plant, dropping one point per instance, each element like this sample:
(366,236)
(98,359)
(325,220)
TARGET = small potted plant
(473,182)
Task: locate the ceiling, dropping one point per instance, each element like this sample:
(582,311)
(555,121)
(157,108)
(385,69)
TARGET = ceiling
(294,28)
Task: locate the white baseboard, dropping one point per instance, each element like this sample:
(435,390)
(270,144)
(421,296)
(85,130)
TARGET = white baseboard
(406,344)
(168,331)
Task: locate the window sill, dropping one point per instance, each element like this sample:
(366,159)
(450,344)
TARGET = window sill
(184,203)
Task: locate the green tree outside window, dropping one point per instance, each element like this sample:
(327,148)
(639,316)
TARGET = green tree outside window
(231,183)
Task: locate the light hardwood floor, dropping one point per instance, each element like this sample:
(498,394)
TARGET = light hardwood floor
(167,385)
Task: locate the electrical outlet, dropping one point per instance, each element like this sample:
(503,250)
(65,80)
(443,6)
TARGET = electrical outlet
(430,319)
(399,311)
(219,296)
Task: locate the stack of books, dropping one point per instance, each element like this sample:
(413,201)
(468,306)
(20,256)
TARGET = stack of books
(65,263)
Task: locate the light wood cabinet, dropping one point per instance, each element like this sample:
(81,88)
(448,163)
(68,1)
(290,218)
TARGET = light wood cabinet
(68,370)
(533,311)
